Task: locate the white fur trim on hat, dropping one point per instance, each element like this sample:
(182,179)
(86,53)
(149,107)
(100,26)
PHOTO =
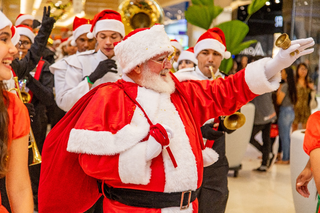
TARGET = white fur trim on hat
(187,55)
(79,31)
(26,32)
(16,37)
(142,46)
(4,21)
(22,18)
(211,44)
(108,24)
(177,45)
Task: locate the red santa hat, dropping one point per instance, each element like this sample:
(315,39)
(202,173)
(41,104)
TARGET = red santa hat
(15,36)
(212,39)
(22,17)
(26,31)
(4,21)
(106,20)
(176,44)
(188,55)
(140,45)
(80,26)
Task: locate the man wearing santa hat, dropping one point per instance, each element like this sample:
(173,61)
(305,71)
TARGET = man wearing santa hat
(81,27)
(24,19)
(140,136)
(178,49)
(90,68)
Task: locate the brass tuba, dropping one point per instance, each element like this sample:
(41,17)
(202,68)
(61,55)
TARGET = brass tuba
(140,14)
(25,97)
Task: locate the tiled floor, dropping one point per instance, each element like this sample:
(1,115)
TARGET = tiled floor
(254,192)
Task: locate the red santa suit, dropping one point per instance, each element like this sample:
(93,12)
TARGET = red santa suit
(108,141)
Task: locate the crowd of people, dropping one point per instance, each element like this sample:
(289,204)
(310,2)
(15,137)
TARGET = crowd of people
(136,122)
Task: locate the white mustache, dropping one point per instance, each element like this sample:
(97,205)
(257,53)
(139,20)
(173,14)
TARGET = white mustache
(164,72)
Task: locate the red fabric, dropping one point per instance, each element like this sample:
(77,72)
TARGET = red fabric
(63,184)
(160,134)
(37,75)
(77,22)
(19,121)
(214,33)
(312,134)
(105,14)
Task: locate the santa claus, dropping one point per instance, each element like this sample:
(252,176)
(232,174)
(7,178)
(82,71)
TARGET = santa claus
(139,138)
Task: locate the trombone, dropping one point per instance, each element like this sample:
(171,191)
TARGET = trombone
(25,97)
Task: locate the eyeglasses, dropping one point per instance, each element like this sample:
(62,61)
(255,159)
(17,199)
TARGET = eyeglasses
(165,62)
(24,43)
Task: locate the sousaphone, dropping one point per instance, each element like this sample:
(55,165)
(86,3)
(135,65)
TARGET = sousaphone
(140,14)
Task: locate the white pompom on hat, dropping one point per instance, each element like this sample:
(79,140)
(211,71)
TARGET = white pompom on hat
(176,44)
(15,35)
(23,17)
(80,26)
(4,21)
(106,20)
(212,39)
(26,31)
(141,45)
(188,55)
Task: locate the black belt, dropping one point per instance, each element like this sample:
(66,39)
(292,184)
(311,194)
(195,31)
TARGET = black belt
(149,199)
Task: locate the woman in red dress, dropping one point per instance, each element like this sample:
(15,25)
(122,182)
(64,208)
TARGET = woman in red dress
(14,132)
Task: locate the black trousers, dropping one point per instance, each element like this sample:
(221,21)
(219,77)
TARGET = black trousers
(214,191)
(265,148)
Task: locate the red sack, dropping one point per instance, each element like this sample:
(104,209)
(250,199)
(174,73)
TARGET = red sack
(274,131)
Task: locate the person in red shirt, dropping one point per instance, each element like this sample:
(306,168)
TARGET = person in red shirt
(15,127)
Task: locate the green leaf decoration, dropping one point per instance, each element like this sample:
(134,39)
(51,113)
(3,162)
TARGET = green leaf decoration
(226,65)
(235,31)
(202,12)
(255,5)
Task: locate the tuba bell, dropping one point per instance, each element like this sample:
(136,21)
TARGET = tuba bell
(25,97)
(140,14)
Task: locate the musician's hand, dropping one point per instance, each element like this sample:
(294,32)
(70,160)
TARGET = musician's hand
(223,128)
(209,133)
(46,19)
(103,68)
(31,110)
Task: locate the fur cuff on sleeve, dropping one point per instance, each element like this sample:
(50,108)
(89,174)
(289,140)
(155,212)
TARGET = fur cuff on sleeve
(133,167)
(256,79)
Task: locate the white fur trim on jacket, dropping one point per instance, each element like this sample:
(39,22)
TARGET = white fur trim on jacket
(256,78)
(186,74)
(106,143)
(142,46)
(133,167)
(209,156)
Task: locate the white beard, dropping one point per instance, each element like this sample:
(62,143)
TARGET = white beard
(158,83)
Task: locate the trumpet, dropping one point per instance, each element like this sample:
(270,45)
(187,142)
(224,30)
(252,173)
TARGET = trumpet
(234,121)
(33,145)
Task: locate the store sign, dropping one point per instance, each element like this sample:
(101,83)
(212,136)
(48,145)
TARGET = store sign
(253,51)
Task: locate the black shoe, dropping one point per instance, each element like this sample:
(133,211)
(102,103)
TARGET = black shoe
(261,169)
(270,161)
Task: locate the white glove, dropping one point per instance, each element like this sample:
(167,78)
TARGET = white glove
(153,147)
(283,59)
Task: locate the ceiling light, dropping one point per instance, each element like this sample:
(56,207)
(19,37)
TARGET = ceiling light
(69,21)
(23,6)
(36,4)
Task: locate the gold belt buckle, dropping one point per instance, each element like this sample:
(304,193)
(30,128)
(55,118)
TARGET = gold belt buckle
(182,198)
